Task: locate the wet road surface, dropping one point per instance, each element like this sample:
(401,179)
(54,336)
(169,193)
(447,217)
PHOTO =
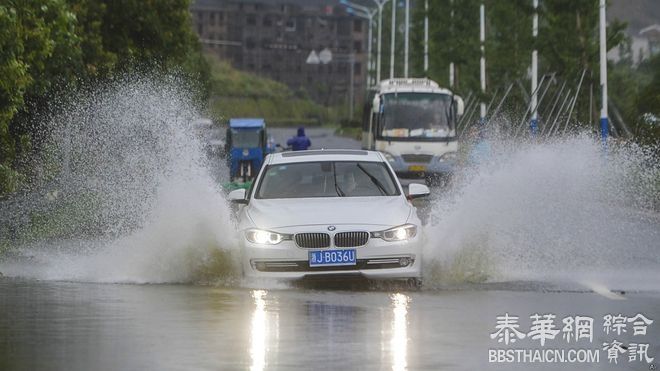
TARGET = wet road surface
(78,326)
(55,325)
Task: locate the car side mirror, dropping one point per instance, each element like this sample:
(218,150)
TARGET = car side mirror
(237,196)
(416,190)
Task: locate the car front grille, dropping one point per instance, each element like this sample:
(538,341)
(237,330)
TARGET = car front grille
(303,266)
(351,239)
(313,240)
(417,158)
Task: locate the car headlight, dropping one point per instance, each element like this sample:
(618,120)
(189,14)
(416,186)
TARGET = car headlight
(262,237)
(449,156)
(389,157)
(400,233)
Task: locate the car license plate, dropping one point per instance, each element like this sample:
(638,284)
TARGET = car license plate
(332,257)
(417,168)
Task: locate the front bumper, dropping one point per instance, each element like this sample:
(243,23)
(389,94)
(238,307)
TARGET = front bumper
(435,166)
(378,259)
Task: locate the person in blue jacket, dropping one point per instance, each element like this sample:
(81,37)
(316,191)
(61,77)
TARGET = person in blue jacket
(300,142)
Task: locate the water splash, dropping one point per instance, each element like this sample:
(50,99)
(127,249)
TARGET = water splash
(134,199)
(553,211)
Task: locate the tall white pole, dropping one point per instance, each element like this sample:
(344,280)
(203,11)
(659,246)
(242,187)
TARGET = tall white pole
(406,41)
(370,68)
(451,34)
(482,39)
(351,92)
(451,74)
(604,125)
(368,14)
(392,38)
(380,40)
(533,125)
(426,38)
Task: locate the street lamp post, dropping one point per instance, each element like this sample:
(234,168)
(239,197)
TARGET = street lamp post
(533,125)
(351,91)
(368,14)
(379,4)
(392,39)
(451,34)
(426,38)
(482,61)
(369,47)
(604,125)
(406,39)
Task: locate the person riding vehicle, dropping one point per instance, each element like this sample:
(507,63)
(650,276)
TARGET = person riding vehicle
(300,142)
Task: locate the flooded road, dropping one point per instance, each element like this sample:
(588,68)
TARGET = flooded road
(79,326)
(520,251)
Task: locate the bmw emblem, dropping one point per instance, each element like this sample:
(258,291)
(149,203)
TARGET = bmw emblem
(332,228)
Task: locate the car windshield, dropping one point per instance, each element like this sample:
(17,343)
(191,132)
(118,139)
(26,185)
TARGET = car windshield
(245,138)
(327,179)
(426,115)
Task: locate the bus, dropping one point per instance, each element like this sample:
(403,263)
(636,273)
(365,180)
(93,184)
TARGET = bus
(412,121)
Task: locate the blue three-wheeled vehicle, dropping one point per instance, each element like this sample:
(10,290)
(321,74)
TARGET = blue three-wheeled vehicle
(246,146)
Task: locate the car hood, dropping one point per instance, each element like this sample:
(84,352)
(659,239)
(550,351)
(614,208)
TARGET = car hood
(377,211)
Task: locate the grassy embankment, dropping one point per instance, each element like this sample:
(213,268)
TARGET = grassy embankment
(240,94)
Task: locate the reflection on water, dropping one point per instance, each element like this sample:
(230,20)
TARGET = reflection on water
(81,327)
(259,331)
(399,341)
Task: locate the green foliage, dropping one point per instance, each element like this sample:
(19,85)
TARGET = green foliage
(38,49)
(649,98)
(10,179)
(50,46)
(568,44)
(567,39)
(508,49)
(648,103)
(568,36)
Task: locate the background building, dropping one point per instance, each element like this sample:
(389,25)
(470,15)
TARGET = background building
(306,44)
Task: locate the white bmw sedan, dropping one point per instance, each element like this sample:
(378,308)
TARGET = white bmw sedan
(329,212)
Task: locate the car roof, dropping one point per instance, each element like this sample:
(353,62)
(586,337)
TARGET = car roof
(237,123)
(325,155)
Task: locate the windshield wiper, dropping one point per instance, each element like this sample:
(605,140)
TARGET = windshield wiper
(340,193)
(374,180)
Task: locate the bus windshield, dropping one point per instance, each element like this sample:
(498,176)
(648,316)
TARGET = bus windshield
(423,115)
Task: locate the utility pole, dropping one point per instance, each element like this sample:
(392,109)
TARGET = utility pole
(406,41)
(369,53)
(482,39)
(392,39)
(604,125)
(368,14)
(533,125)
(351,95)
(426,38)
(379,4)
(451,34)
